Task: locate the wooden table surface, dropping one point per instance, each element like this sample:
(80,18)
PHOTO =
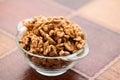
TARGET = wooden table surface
(99,18)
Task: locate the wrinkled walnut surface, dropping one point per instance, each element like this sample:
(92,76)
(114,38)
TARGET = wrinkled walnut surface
(52,36)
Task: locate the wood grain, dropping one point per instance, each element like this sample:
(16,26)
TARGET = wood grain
(14,67)
(116,67)
(12,11)
(103,12)
(103,45)
(7,43)
(112,73)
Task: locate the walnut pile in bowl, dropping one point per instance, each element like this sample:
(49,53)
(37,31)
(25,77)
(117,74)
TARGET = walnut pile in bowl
(52,36)
(51,45)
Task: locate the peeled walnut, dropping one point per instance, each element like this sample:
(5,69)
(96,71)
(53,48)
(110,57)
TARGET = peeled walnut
(59,40)
(63,53)
(52,36)
(60,34)
(51,32)
(50,39)
(68,46)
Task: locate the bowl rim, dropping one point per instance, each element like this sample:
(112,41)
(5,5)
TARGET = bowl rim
(50,57)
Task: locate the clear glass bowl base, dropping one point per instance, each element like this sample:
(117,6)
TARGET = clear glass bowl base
(51,73)
(41,64)
(47,72)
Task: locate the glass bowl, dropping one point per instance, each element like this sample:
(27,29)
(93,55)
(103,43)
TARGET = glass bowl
(49,66)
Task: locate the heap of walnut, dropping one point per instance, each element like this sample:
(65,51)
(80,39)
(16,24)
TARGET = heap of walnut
(52,36)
